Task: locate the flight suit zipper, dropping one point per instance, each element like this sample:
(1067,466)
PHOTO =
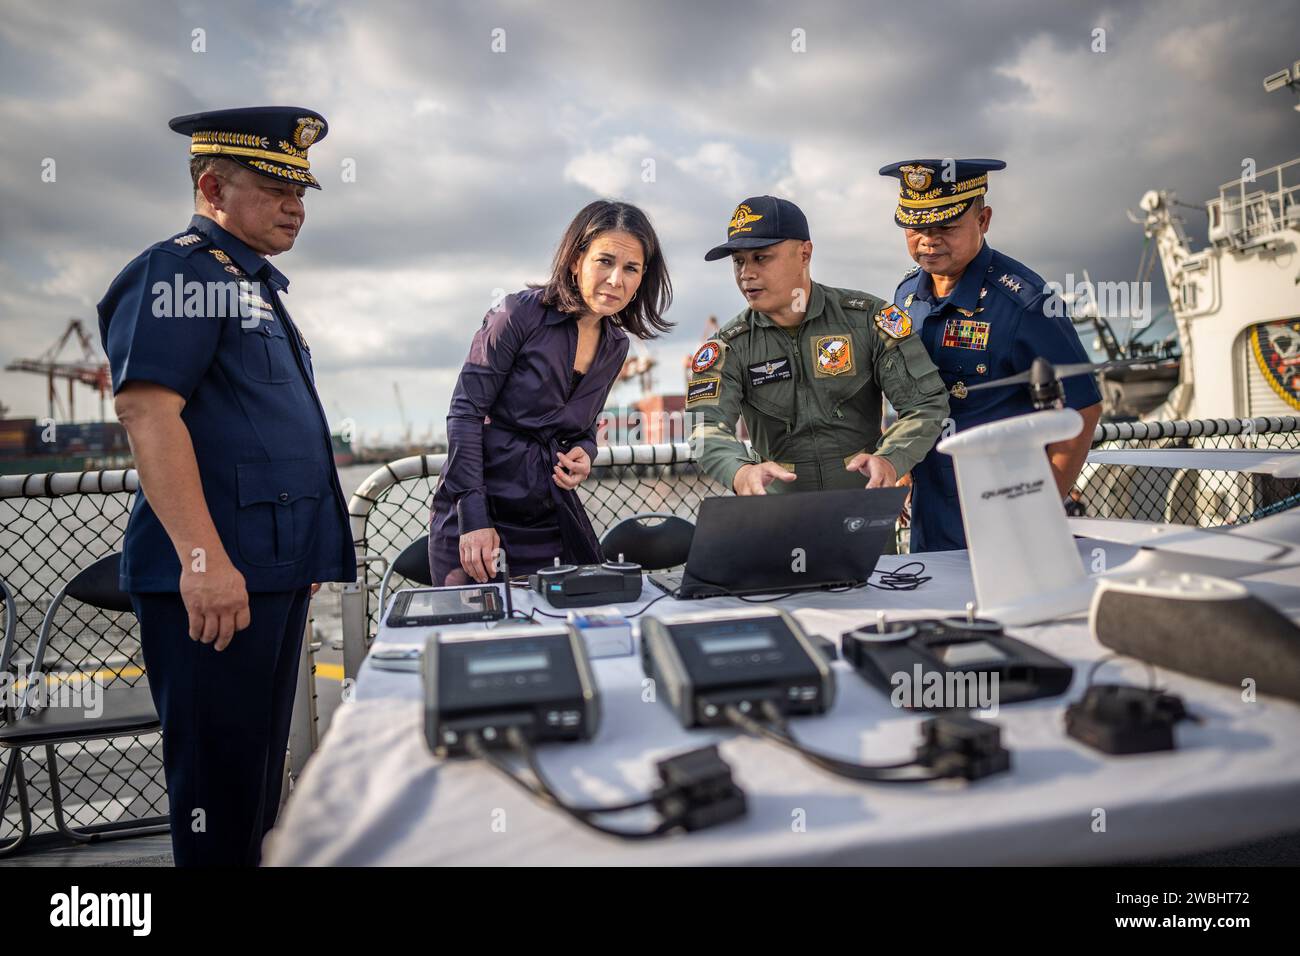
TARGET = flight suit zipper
(812,427)
(793,419)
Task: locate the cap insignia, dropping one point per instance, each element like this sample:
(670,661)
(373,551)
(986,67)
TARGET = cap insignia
(309,128)
(741,219)
(917,177)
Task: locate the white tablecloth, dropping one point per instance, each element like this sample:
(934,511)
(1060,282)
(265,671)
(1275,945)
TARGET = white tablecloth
(373,793)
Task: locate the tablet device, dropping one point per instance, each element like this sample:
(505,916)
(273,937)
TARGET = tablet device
(465,604)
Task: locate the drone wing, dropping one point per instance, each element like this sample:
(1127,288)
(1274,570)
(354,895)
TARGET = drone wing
(1256,461)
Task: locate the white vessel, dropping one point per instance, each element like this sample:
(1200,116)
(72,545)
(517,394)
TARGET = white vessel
(1235,302)
(1235,305)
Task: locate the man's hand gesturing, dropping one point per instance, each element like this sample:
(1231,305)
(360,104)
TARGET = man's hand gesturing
(754,479)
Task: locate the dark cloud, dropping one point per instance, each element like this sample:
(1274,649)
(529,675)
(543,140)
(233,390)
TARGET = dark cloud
(469,163)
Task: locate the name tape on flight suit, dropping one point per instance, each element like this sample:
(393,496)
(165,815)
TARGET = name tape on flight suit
(771,370)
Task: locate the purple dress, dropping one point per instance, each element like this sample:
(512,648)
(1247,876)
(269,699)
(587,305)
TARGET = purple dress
(518,403)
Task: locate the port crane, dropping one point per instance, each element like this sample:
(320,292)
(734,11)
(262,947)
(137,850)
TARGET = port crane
(90,369)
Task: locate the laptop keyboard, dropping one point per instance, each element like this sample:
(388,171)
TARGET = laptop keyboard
(668,581)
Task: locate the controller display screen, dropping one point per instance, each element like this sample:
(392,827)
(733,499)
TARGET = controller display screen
(971,652)
(750,641)
(507,663)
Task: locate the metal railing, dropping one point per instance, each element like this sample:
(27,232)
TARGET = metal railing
(1208,498)
(1271,205)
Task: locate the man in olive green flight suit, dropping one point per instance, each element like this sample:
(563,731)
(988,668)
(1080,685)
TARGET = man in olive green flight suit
(806,365)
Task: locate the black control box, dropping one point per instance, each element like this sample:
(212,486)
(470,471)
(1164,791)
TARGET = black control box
(947,650)
(586,585)
(1119,719)
(534,679)
(706,662)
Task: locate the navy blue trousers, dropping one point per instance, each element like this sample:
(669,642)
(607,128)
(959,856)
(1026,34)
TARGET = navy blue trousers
(225,722)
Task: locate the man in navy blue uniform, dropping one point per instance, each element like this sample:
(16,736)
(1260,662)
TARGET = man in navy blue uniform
(982,316)
(240,510)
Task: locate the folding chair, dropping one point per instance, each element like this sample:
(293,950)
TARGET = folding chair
(14,767)
(412,563)
(656,547)
(126,711)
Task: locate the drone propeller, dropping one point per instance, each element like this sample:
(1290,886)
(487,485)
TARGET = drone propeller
(1043,372)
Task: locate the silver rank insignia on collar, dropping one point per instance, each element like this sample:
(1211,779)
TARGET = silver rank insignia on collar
(187,240)
(1009,282)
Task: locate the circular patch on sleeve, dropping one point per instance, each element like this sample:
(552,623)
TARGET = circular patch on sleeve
(706,356)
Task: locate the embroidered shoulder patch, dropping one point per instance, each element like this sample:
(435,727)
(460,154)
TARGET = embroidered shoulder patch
(894,322)
(706,356)
(703,390)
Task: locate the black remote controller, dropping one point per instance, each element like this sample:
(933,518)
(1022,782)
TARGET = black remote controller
(569,585)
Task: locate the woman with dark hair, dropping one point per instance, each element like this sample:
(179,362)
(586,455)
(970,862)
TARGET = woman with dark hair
(521,430)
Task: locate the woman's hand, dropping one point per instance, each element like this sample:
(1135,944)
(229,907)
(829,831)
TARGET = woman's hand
(573,468)
(478,554)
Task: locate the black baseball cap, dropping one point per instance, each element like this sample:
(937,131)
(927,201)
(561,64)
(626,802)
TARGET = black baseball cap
(761,221)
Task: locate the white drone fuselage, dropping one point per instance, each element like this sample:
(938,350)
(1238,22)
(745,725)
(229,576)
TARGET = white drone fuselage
(1024,561)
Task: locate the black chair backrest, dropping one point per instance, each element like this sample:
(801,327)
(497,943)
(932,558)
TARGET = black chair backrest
(10,626)
(655,541)
(413,562)
(97,585)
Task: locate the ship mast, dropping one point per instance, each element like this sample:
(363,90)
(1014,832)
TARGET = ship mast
(1165,228)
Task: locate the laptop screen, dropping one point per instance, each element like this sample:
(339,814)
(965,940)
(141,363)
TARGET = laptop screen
(792,542)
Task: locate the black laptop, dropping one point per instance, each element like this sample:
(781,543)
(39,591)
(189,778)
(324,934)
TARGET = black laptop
(801,541)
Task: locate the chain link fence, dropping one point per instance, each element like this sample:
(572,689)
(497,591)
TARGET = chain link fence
(1203,497)
(52,526)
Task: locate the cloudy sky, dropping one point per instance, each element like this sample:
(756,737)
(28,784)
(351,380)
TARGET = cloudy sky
(470,160)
